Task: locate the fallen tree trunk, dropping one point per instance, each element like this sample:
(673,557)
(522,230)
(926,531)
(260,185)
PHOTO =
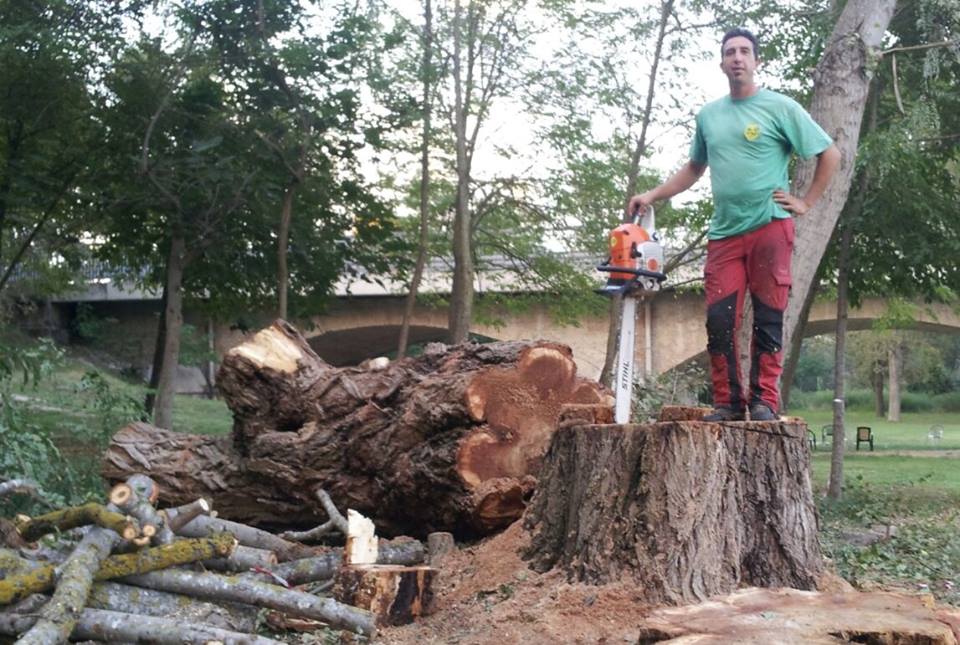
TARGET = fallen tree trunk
(116,627)
(238,589)
(686,509)
(447,441)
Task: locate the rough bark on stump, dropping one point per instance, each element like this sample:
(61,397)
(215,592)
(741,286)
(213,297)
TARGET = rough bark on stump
(395,594)
(444,441)
(686,509)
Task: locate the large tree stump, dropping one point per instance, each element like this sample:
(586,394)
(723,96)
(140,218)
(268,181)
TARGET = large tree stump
(450,440)
(687,509)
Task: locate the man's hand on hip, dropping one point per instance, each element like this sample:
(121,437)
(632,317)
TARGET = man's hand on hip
(790,203)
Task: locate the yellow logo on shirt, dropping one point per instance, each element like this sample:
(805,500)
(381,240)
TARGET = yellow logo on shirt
(752,132)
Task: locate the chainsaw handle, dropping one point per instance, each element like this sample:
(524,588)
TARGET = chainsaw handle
(638,220)
(656,275)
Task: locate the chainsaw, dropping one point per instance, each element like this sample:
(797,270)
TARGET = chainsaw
(635,268)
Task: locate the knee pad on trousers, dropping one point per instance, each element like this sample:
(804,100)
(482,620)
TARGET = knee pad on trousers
(721,324)
(767,328)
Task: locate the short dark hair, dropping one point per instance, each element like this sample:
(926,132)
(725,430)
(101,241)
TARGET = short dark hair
(740,31)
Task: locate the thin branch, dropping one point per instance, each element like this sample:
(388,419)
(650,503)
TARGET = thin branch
(945,43)
(896,84)
(336,522)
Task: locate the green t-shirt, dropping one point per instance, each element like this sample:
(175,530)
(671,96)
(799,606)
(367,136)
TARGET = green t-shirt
(747,144)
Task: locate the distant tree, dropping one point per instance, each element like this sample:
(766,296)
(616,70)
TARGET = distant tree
(52,55)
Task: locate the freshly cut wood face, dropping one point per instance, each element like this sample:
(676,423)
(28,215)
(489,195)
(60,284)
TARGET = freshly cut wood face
(361,539)
(272,349)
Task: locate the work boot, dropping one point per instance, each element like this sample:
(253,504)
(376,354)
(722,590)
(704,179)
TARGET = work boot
(762,412)
(723,413)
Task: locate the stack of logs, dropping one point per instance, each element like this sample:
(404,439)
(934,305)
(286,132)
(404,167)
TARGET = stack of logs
(182,575)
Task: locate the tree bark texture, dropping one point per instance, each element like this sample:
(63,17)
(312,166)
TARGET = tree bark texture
(894,365)
(117,627)
(461,296)
(686,509)
(841,86)
(423,239)
(835,487)
(395,594)
(173,324)
(449,440)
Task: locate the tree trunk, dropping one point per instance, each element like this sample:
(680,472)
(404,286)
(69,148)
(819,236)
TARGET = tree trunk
(449,440)
(835,487)
(283,236)
(157,364)
(422,239)
(681,509)
(878,407)
(616,304)
(173,323)
(461,296)
(792,354)
(895,365)
(841,85)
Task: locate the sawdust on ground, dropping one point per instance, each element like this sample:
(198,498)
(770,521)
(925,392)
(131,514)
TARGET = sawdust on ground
(486,595)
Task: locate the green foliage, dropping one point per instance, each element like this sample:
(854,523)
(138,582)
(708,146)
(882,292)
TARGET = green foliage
(921,552)
(111,407)
(683,385)
(27,451)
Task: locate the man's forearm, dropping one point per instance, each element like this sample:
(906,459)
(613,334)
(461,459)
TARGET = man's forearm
(680,181)
(827,163)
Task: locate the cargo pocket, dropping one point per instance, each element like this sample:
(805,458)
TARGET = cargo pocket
(782,276)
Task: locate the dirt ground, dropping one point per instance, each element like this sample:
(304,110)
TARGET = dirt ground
(486,595)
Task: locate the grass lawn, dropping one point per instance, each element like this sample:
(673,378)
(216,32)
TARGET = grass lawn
(908,434)
(932,477)
(64,400)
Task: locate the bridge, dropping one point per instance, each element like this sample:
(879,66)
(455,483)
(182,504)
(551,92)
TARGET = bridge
(670,329)
(364,321)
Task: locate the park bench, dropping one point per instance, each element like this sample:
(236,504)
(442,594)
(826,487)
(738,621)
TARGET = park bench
(865,435)
(812,439)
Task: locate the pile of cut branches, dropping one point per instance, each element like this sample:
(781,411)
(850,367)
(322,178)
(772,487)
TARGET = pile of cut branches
(127,572)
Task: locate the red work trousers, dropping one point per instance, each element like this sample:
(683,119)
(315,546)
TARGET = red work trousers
(758,261)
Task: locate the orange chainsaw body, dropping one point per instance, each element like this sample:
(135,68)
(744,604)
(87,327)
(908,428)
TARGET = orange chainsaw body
(625,241)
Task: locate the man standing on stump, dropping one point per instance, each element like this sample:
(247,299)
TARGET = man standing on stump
(747,139)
